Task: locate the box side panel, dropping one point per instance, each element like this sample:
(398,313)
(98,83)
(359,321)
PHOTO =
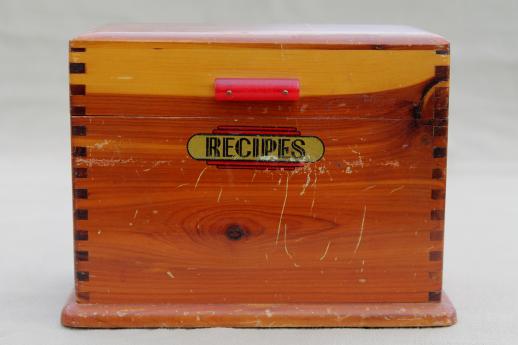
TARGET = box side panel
(364,223)
(361,224)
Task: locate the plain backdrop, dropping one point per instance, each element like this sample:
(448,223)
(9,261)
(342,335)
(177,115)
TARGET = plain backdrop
(36,271)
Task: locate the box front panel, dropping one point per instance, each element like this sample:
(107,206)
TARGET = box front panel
(156,222)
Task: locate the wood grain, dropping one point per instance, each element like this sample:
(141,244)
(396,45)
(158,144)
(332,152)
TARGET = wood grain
(278,36)
(390,105)
(154,211)
(158,233)
(139,69)
(260,315)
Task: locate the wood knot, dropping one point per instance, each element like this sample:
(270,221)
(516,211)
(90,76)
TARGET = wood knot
(235,232)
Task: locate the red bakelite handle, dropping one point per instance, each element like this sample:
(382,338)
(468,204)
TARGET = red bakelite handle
(256,89)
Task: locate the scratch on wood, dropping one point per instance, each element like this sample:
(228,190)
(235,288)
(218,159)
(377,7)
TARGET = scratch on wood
(170,274)
(368,188)
(314,194)
(220,191)
(394,163)
(305,185)
(182,185)
(282,211)
(158,163)
(90,162)
(360,160)
(325,251)
(396,189)
(101,144)
(199,177)
(361,231)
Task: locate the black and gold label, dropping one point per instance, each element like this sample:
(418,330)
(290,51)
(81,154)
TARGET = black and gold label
(255,147)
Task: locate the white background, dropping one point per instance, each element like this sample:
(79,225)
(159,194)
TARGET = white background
(35,192)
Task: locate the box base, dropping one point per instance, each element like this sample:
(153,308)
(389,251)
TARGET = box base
(431,314)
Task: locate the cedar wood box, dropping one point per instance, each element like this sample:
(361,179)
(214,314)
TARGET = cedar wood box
(289,176)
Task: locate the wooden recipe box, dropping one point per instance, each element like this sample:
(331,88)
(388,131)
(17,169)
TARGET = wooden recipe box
(258,177)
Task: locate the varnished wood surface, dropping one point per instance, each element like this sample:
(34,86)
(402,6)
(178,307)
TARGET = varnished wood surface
(354,226)
(155,228)
(312,36)
(259,315)
(140,68)
(388,105)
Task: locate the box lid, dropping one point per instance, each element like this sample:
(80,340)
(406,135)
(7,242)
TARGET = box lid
(354,36)
(173,70)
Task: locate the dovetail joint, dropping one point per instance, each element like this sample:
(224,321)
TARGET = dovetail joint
(79,151)
(435,255)
(439,131)
(442,73)
(81,214)
(438,194)
(83,276)
(77,68)
(77,110)
(77,50)
(79,131)
(439,127)
(77,89)
(83,296)
(81,255)
(434,296)
(81,235)
(80,172)
(80,193)
(437,174)
(439,152)
(437,214)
